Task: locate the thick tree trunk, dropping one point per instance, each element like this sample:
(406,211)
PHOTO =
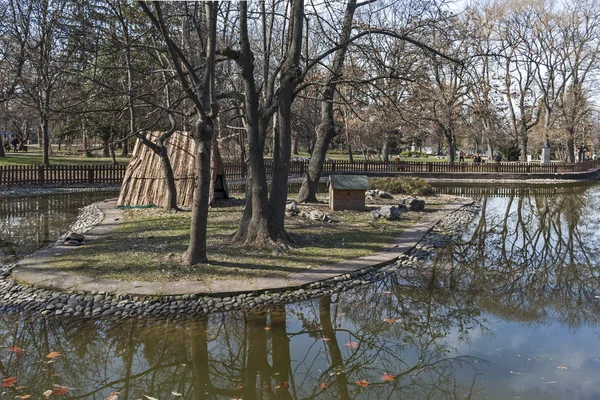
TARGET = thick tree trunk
(2,154)
(196,252)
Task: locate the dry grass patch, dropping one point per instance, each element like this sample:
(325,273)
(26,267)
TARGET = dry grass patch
(148,245)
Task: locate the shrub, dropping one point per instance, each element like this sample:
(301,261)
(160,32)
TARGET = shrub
(405,185)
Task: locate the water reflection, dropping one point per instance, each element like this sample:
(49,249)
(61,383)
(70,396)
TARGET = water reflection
(509,310)
(29,223)
(315,349)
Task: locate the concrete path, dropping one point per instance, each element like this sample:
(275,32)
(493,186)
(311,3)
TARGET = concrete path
(34,270)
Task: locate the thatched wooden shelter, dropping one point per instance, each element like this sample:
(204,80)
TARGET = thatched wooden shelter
(144,181)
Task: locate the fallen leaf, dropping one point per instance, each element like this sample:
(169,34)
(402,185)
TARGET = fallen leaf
(48,393)
(267,328)
(322,385)
(113,396)
(54,354)
(240,386)
(325,339)
(176,394)
(520,356)
(352,345)
(15,349)
(282,384)
(387,377)
(55,374)
(20,387)
(362,382)
(7,382)
(563,367)
(150,398)
(25,396)
(60,390)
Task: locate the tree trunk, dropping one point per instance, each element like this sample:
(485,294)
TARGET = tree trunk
(281,162)
(196,252)
(112,154)
(105,148)
(570,146)
(326,127)
(217,170)
(490,149)
(350,156)
(2,154)
(167,167)
(296,145)
(325,133)
(46,141)
(385,149)
(450,145)
(523,141)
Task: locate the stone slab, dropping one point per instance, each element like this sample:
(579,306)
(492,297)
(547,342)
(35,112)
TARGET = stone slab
(101,285)
(65,282)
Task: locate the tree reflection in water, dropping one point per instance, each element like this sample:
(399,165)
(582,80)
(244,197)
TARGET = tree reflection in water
(526,259)
(277,353)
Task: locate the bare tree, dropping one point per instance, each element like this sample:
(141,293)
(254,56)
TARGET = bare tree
(200,92)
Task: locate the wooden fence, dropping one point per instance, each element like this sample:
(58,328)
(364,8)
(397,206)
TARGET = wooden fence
(113,174)
(61,174)
(299,168)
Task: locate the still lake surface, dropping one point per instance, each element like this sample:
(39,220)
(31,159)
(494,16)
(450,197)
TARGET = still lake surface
(511,310)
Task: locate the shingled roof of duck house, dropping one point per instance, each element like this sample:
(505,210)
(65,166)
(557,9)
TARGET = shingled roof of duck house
(347,192)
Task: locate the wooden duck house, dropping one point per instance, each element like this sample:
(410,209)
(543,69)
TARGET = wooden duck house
(347,192)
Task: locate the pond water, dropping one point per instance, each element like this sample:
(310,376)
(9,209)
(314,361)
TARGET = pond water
(29,223)
(512,310)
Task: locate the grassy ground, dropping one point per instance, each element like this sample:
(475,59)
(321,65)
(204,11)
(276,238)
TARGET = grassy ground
(149,243)
(58,157)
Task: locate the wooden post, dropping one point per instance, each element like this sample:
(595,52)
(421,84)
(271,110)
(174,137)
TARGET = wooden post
(90,174)
(41,177)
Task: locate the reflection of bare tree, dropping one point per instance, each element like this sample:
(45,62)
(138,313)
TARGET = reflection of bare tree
(28,223)
(533,257)
(249,355)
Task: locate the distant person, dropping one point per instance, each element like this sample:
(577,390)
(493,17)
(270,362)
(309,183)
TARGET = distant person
(6,146)
(461,156)
(14,143)
(498,157)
